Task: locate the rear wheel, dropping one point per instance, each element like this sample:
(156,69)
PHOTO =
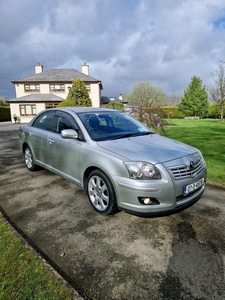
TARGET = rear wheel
(29,159)
(101,193)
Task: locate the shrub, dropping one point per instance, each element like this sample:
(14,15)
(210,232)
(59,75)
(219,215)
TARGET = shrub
(5,113)
(213,111)
(171,112)
(115,105)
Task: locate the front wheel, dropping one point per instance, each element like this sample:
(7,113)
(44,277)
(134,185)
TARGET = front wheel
(29,159)
(101,193)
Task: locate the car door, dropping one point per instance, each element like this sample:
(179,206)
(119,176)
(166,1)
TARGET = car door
(64,154)
(38,136)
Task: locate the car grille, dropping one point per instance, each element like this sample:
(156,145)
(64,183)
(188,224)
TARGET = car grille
(185,171)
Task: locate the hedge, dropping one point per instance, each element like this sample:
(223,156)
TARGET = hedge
(5,113)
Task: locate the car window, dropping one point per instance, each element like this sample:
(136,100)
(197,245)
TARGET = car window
(44,121)
(61,123)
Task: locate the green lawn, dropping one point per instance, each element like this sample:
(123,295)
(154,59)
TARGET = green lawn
(208,136)
(23,276)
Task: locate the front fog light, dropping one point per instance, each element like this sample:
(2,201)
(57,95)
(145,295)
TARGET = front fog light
(148,201)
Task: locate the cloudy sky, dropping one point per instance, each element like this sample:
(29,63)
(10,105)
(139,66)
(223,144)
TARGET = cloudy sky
(165,42)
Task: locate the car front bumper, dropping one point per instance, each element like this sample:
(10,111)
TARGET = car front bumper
(168,192)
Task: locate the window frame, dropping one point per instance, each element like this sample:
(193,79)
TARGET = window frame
(51,105)
(33,110)
(61,88)
(29,90)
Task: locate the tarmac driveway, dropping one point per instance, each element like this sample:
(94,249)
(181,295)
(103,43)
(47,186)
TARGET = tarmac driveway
(116,257)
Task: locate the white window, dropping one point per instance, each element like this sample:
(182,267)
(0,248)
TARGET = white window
(32,88)
(28,110)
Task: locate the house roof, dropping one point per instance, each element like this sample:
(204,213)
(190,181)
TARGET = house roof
(58,75)
(37,98)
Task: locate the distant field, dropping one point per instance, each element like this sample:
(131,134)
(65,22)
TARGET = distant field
(208,136)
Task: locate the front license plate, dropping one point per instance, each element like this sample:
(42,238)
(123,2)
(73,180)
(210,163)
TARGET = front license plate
(193,186)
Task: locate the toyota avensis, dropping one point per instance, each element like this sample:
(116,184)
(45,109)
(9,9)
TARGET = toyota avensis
(118,161)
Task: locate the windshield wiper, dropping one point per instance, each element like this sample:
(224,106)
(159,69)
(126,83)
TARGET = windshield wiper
(126,135)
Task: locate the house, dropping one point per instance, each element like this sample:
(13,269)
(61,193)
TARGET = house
(46,89)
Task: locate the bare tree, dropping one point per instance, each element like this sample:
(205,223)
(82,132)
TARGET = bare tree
(146,94)
(217,92)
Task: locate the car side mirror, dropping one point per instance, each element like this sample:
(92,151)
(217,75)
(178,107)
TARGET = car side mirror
(69,134)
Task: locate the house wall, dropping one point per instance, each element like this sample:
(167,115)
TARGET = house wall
(15,110)
(44,89)
(95,94)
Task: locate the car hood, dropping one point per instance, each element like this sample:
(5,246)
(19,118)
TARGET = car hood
(153,148)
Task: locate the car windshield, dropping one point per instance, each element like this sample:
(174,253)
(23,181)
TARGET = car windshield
(112,125)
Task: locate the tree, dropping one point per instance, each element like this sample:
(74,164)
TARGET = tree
(146,94)
(217,92)
(78,95)
(195,99)
(144,99)
(173,99)
(3,102)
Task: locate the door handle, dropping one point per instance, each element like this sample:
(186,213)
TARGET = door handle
(30,133)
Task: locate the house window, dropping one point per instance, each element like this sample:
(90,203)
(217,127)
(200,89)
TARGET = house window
(57,87)
(32,88)
(88,87)
(28,110)
(51,105)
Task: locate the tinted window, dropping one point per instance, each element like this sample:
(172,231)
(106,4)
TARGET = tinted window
(61,123)
(44,121)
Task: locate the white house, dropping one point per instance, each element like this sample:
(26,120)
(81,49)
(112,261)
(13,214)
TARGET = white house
(46,89)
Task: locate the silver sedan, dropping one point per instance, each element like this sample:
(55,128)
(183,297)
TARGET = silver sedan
(119,162)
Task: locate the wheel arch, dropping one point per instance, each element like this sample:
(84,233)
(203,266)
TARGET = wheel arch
(24,146)
(87,173)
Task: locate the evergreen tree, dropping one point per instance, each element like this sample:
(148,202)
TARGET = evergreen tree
(195,99)
(78,95)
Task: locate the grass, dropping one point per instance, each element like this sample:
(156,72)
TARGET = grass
(23,276)
(208,135)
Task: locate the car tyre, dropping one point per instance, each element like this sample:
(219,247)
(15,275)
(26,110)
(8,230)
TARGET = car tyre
(101,193)
(29,159)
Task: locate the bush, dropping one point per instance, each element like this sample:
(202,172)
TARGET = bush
(213,111)
(171,112)
(115,105)
(5,113)
(66,103)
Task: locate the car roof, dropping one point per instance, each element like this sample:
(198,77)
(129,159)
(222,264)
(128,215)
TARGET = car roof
(85,109)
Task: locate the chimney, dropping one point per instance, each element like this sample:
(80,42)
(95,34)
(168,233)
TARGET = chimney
(85,69)
(38,68)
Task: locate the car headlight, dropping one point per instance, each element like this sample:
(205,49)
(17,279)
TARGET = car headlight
(142,170)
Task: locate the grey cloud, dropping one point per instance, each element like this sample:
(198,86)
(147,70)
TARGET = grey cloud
(124,42)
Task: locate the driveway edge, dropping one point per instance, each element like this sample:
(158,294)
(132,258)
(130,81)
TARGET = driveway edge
(42,257)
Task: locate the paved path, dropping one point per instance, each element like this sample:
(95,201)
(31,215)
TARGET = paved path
(118,257)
